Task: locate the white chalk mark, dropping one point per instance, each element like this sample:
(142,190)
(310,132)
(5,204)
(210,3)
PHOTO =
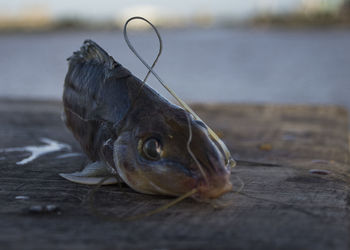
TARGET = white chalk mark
(22,197)
(319,171)
(320,161)
(37,151)
(67,155)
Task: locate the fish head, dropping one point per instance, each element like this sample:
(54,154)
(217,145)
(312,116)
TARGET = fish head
(169,152)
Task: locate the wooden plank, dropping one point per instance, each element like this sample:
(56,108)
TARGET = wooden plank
(282,206)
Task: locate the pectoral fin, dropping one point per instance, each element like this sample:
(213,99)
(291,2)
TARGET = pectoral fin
(93,174)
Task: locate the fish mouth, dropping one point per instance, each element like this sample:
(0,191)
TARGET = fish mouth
(213,188)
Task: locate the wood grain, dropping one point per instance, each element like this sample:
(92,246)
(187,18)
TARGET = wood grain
(282,205)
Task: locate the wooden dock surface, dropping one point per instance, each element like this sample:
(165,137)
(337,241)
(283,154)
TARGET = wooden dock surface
(298,199)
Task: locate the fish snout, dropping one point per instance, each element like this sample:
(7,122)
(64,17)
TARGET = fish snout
(212,173)
(213,187)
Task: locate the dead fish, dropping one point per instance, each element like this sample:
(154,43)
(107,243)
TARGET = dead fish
(130,131)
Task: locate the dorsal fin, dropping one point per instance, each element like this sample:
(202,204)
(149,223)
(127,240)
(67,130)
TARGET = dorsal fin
(92,52)
(97,95)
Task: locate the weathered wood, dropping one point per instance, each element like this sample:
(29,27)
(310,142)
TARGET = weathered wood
(282,206)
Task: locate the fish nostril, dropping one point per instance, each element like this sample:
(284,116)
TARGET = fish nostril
(217,163)
(212,167)
(207,165)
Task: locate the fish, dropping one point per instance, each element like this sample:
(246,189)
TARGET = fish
(132,134)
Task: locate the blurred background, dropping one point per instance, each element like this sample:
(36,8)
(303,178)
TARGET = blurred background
(276,51)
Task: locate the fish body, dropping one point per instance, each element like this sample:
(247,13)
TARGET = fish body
(128,130)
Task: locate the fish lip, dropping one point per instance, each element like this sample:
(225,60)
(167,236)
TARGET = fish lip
(212,188)
(214,182)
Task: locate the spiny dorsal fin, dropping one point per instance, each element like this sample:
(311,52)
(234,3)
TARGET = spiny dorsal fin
(91,51)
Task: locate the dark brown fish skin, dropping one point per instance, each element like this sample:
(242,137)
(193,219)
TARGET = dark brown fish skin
(111,112)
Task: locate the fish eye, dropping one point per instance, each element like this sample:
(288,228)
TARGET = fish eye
(152,149)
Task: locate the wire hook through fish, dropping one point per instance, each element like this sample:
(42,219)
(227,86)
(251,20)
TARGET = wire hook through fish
(230,162)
